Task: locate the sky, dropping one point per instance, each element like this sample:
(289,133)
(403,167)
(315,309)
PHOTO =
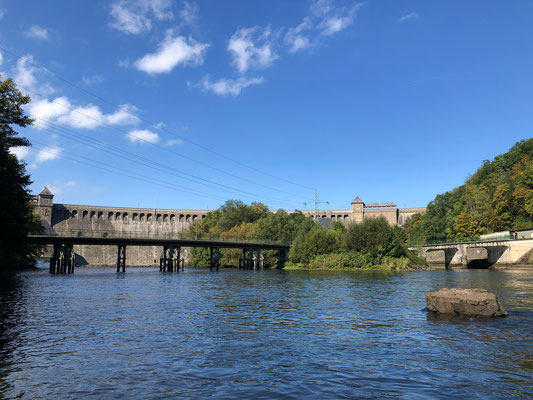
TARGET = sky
(184,104)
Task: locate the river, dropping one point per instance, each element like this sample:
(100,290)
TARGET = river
(260,334)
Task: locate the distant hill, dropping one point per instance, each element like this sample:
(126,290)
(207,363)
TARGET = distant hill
(499,196)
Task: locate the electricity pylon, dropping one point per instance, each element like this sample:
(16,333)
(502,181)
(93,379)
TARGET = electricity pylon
(316,202)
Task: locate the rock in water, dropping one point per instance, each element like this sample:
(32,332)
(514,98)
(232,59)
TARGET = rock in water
(468,302)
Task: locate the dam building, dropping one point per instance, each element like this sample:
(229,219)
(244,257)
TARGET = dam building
(84,220)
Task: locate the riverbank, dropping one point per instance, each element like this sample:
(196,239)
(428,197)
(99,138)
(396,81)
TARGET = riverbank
(359,261)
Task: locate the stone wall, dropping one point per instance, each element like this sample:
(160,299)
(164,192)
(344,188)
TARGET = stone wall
(83,220)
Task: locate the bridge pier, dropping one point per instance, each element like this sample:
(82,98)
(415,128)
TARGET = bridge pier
(171,259)
(62,260)
(246,260)
(214,258)
(121,258)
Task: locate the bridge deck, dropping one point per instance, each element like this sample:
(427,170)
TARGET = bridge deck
(154,241)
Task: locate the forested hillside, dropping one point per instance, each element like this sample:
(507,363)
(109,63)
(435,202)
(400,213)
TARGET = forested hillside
(499,196)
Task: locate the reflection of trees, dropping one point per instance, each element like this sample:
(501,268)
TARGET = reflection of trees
(10,315)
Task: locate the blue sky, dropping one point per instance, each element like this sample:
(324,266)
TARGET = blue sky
(182,104)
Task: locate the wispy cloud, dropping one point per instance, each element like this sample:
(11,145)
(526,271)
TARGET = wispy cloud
(224,87)
(2,13)
(173,142)
(142,136)
(295,38)
(20,152)
(189,13)
(435,78)
(335,19)
(135,17)
(48,153)
(172,51)
(325,18)
(251,47)
(26,75)
(36,32)
(408,17)
(92,80)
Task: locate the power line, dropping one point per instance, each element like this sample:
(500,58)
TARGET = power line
(316,202)
(148,121)
(154,144)
(151,164)
(123,172)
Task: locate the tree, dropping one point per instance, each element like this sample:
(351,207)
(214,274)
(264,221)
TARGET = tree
(310,243)
(467,226)
(16,217)
(376,237)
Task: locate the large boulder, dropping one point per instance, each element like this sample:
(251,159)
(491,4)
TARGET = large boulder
(468,302)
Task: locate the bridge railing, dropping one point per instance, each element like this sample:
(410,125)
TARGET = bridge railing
(458,241)
(158,235)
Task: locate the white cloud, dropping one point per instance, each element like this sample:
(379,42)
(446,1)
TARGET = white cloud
(224,87)
(25,76)
(125,115)
(20,152)
(295,38)
(49,110)
(409,16)
(173,142)
(337,20)
(1,58)
(135,16)
(333,19)
(2,13)
(171,52)
(189,13)
(142,136)
(91,80)
(321,8)
(251,47)
(60,110)
(48,153)
(25,72)
(36,32)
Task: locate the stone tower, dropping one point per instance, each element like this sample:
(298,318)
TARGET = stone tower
(45,202)
(357,210)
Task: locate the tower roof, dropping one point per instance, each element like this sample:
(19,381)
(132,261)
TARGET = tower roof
(357,200)
(46,192)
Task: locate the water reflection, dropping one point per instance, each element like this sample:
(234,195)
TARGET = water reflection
(267,334)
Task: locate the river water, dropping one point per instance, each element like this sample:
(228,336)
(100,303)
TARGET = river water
(260,334)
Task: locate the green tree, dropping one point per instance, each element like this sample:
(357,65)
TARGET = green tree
(310,243)
(376,237)
(16,217)
(467,226)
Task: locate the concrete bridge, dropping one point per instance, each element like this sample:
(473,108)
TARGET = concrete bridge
(63,257)
(479,254)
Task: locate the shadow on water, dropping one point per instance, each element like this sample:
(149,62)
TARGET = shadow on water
(11,306)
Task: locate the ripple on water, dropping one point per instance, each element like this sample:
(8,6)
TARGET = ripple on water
(262,334)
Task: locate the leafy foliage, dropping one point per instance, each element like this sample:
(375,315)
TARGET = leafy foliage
(16,217)
(499,196)
(376,237)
